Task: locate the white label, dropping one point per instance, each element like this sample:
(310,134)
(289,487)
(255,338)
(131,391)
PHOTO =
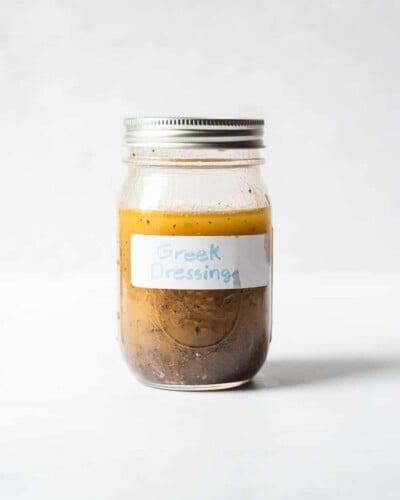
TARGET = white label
(199,262)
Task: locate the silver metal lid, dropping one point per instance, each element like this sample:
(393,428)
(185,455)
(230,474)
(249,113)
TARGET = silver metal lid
(193,133)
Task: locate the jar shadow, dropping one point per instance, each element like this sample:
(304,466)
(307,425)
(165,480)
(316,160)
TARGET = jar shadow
(298,372)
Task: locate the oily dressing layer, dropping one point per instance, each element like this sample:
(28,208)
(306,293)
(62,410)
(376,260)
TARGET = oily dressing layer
(192,336)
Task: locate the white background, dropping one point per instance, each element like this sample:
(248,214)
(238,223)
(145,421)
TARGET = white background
(321,420)
(325,75)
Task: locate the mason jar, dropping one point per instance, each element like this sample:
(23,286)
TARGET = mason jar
(195,248)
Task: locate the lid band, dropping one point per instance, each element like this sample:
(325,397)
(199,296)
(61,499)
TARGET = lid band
(194,133)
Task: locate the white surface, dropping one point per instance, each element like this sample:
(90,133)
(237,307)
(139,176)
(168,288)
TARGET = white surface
(320,422)
(324,74)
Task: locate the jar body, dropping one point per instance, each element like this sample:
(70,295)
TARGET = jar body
(185,324)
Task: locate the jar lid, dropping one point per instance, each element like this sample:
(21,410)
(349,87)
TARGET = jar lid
(193,133)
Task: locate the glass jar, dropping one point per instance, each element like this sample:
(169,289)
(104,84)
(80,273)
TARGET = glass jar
(195,240)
